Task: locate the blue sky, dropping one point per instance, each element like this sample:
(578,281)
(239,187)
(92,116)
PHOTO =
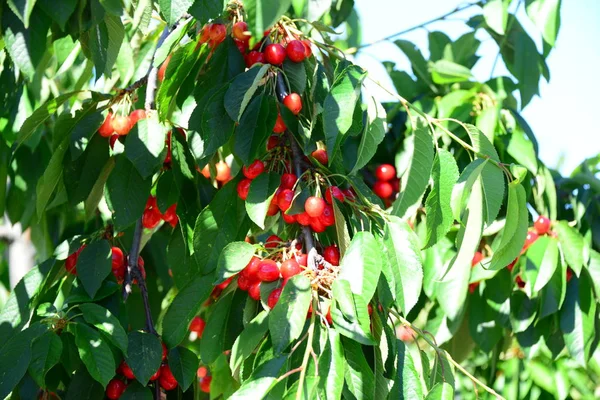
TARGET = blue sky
(563,117)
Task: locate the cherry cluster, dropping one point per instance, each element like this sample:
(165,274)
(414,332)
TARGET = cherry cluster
(117,386)
(119,124)
(152,215)
(387,184)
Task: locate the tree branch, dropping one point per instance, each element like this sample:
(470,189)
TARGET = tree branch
(153,74)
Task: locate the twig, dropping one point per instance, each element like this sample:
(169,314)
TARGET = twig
(290,372)
(441,17)
(153,74)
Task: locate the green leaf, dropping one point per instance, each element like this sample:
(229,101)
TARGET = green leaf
(184,307)
(361,265)
(205,10)
(593,269)
(577,319)
(81,127)
(438,210)
(296,75)
(523,311)
(418,62)
(145,144)
(169,44)
(173,10)
(22,9)
(103,42)
(515,228)
(94,352)
(373,134)
(184,364)
(262,14)
(542,259)
(128,192)
(403,270)
(416,179)
(483,317)
(407,384)
(495,13)
(234,258)
(242,89)
(341,230)
(97,191)
(52,175)
(261,380)
(554,292)
(223,221)
(572,245)
(262,190)
(84,387)
(441,391)
(144,355)
(217,127)
(350,314)
(246,342)
(256,125)
(358,375)
(45,354)
(332,361)
(58,11)
(213,338)
(444,72)
(338,107)
(93,265)
(522,149)
(81,175)
(105,321)
(135,391)
(545,14)
(287,318)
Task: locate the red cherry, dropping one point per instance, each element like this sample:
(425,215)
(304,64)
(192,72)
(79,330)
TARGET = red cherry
(569,274)
(307,48)
(106,129)
(151,202)
(349,194)
(206,171)
(71,263)
(296,51)
(241,45)
(293,102)
(512,264)
(303,219)
(532,236)
(240,31)
(253,170)
(274,297)
(113,140)
(167,380)
(273,241)
(290,268)
(118,261)
(302,259)
(205,384)
(268,271)
(273,207)
(334,192)
(202,372)
(254,291)
(332,254)
(288,181)
(224,284)
(327,218)
(217,33)
(121,124)
(251,269)
(244,283)
(151,218)
(115,389)
(316,225)
(155,376)
(395,182)
(170,216)
(272,142)
(285,198)
(137,115)
(274,53)
(321,156)
(542,225)
(254,57)
(223,171)
(328,317)
(385,172)
(520,282)
(197,325)
(314,206)
(383,189)
(279,125)
(289,219)
(163,69)
(243,187)
(476,258)
(164,351)
(126,371)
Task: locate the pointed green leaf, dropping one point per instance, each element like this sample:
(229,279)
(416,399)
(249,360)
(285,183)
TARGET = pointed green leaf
(542,259)
(349,313)
(545,14)
(144,355)
(373,134)
(495,13)
(261,380)
(262,14)
(571,245)
(358,375)
(441,391)
(445,71)
(145,144)
(45,354)
(332,361)
(93,265)
(407,384)
(246,343)
(184,365)
(94,352)
(242,89)
(105,321)
(554,292)
(262,190)
(173,10)
(234,258)
(361,265)
(213,338)
(47,184)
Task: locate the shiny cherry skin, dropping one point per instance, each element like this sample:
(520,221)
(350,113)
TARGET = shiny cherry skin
(296,51)
(321,156)
(115,389)
(197,325)
(106,129)
(293,102)
(274,297)
(541,225)
(385,172)
(314,206)
(240,31)
(274,53)
(334,192)
(383,189)
(268,271)
(166,380)
(279,125)
(290,268)
(332,254)
(253,170)
(243,187)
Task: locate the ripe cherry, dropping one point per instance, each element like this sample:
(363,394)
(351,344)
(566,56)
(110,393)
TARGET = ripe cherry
(332,254)
(328,317)
(327,218)
(268,271)
(383,189)
(321,156)
(284,199)
(335,192)
(254,57)
(121,124)
(405,333)
(244,283)
(302,259)
(272,142)
(273,207)
(170,216)
(253,170)
(243,187)
(293,102)
(307,48)
(118,262)
(126,371)
(288,181)
(274,53)
(542,225)
(113,139)
(151,218)
(156,375)
(254,291)
(274,297)
(217,33)
(206,171)
(106,129)
(223,171)
(289,219)
(205,384)
(512,264)
(290,268)
(167,380)
(316,225)
(296,51)
(241,45)
(164,351)
(115,389)
(385,172)
(273,241)
(151,202)
(279,125)
(349,194)
(251,269)
(303,219)
(163,69)
(71,263)
(137,115)
(224,284)
(240,31)
(569,274)
(202,372)
(314,206)
(476,258)
(531,237)
(197,325)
